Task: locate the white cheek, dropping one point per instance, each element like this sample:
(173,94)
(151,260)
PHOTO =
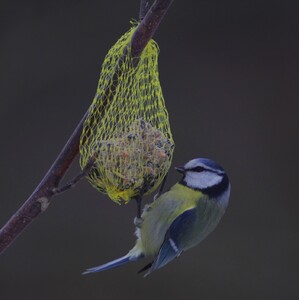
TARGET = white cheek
(202,180)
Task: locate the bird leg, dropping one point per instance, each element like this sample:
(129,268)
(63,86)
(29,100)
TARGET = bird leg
(161,187)
(138,220)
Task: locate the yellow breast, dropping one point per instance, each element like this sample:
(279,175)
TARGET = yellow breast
(161,213)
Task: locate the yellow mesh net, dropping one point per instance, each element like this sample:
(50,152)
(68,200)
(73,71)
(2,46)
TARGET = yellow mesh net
(127,129)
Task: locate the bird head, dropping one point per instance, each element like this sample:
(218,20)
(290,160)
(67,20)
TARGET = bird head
(205,175)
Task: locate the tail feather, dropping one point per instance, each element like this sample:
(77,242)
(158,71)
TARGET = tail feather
(112,264)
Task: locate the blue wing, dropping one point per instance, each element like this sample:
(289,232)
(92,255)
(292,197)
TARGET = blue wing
(171,247)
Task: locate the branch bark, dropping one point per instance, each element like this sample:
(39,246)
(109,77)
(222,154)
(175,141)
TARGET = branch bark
(48,187)
(149,26)
(144,7)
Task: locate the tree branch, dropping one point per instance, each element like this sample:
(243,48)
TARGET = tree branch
(48,187)
(144,7)
(149,26)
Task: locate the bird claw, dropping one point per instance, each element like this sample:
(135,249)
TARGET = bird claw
(138,222)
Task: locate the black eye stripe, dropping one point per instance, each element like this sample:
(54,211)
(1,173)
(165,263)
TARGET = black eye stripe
(198,169)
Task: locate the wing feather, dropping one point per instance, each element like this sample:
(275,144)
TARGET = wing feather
(171,246)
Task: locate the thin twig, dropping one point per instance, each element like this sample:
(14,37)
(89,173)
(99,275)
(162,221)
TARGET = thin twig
(144,7)
(148,26)
(48,187)
(77,178)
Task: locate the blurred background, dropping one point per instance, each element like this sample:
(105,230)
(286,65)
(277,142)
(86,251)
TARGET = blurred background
(229,72)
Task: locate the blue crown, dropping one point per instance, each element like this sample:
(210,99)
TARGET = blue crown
(210,163)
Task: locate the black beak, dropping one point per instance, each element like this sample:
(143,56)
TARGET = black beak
(180,169)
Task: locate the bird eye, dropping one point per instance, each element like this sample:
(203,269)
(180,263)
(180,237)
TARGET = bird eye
(197,169)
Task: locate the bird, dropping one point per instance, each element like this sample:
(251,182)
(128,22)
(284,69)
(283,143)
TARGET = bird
(179,218)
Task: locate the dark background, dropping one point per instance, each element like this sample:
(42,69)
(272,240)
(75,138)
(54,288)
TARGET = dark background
(229,72)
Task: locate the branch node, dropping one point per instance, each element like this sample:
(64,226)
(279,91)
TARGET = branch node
(44,203)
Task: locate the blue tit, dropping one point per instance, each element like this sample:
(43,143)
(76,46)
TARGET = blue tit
(180,218)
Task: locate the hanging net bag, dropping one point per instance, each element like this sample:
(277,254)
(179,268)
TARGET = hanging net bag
(127,131)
